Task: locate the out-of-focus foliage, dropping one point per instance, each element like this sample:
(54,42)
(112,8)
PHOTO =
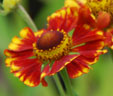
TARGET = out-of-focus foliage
(98,82)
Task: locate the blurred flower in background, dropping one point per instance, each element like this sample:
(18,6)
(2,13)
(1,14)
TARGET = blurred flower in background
(99,5)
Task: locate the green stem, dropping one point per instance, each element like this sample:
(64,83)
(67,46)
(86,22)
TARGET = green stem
(26,17)
(67,83)
(58,83)
(111,52)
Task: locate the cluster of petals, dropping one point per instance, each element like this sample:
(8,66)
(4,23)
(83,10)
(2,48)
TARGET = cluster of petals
(88,41)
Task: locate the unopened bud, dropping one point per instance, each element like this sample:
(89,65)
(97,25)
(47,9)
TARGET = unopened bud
(9,5)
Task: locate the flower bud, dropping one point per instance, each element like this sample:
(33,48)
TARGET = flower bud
(9,5)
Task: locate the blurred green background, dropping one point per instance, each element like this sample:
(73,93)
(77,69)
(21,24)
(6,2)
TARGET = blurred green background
(98,82)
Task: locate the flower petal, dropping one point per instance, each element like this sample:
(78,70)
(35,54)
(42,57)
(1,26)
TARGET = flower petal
(44,73)
(60,64)
(63,19)
(109,38)
(88,60)
(85,16)
(71,3)
(91,49)
(12,55)
(25,43)
(22,54)
(27,33)
(77,67)
(28,71)
(83,34)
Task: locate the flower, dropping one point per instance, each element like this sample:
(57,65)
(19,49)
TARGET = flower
(103,10)
(101,5)
(26,55)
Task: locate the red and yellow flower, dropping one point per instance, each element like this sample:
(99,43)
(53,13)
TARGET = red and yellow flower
(26,55)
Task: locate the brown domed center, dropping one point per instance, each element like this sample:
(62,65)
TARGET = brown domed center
(49,40)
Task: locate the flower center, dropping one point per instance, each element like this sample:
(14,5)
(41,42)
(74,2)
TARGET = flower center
(49,40)
(52,45)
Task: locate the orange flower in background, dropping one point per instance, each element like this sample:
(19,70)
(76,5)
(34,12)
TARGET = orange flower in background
(103,10)
(103,22)
(26,55)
